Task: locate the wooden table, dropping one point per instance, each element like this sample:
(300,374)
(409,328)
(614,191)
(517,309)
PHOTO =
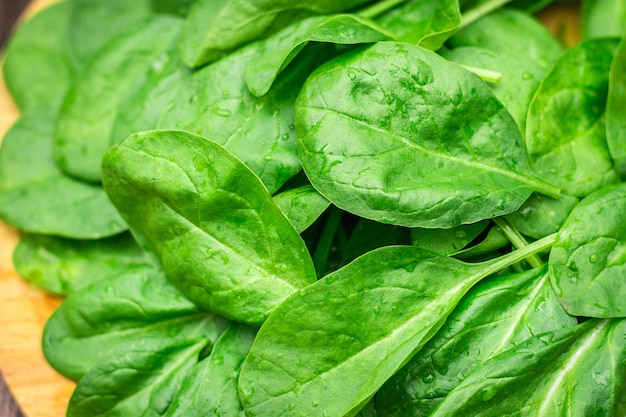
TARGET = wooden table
(24,309)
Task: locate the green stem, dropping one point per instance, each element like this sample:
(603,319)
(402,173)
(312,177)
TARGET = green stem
(485,74)
(325,242)
(517,240)
(476,13)
(518,255)
(379,8)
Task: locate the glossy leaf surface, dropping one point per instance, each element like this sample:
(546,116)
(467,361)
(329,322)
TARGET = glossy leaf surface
(447,241)
(211,222)
(63,266)
(312,357)
(217,104)
(302,205)
(276,52)
(575,371)
(496,315)
(37,67)
(88,112)
(138,377)
(493,43)
(425,23)
(616,109)
(216,27)
(36,197)
(384,134)
(541,216)
(588,260)
(211,387)
(565,132)
(140,303)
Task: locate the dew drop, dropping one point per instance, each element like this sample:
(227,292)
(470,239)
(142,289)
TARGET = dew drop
(593,258)
(553,171)
(314,404)
(352,75)
(267,158)
(488,393)
(460,234)
(376,309)
(222,112)
(302,293)
(427,379)
(292,406)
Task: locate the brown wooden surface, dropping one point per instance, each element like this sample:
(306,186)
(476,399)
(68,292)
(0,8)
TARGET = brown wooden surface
(39,390)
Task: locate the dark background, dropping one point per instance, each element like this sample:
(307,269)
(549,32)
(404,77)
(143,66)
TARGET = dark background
(9,12)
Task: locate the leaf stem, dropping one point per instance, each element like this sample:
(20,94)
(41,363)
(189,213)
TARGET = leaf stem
(325,242)
(485,74)
(495,265)
(476,13)
(379,8)
(517,240)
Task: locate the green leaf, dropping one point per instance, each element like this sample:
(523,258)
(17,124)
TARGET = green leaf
(63,266)
(541,216)
(615,109)
(175,7)
(211,387)
(396,134)
(37,68)
(217,27)
(565,133)
(496,315)
(137,304)
(36,197)
(588,260)
(602,18)
(302,205)
(88,113)
(447,241)
(575,371)
(276,52)
(513,44)
(368,235)
(426,23)
(328,348)
(217,104)
(211,222)
(93,23)
(144,103)
(137,377)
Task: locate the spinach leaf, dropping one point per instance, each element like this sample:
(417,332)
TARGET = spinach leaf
(145,102)
(217,27)
(37,68)
(302,205)
(137,377)
(427,23)
(395,133)
(87,115)
(175,7)
(577,371)
(541,216)
(140,303)
(602,18)
(93,23)
(216,103)
(210,220)
(588,260)
(485,248)
(311,345)
(211,387)
(565,133)
(276,52)
(447,241)
(521,69)
(36,197)
(63,266)
(616,103)
(496,315)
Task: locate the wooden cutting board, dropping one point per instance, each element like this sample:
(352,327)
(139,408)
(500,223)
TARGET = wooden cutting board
(24,309)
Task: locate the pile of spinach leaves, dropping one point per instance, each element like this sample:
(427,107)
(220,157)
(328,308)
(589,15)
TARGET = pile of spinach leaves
(323,208)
